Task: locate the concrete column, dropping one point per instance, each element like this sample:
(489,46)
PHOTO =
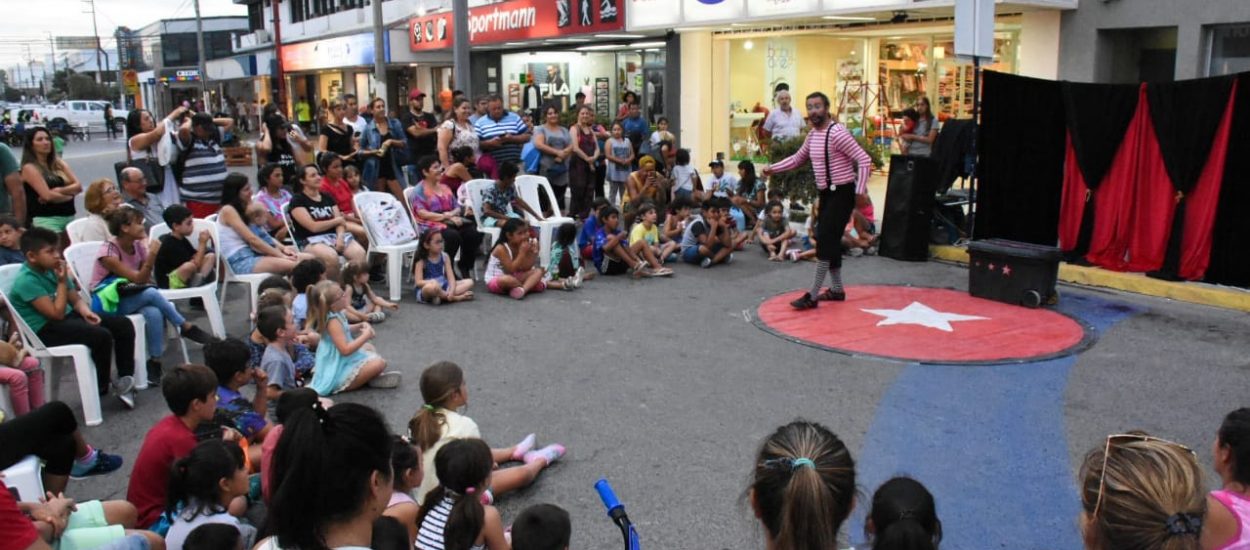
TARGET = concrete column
(1039,44)
(696,98)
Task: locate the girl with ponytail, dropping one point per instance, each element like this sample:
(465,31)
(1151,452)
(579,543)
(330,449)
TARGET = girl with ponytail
(201,487)
(331,479)
(803,487)
(903,517)
(1228,510)
(452,515)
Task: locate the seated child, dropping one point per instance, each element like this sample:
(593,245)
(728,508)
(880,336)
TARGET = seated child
(202,486)
(303,276)
(612,254)
(277,328)
(775,232)
(301,354)
(807,243)
(344,362)
(542,527)
(856,239)
(288,402)
(675,222)
(178,263)
(435,283)
(228,359)
(1227,523)
(214,536)
(60,522)
(500,202)
(512,268)
(464,465)
(258,221)
(565,270)
(645,241)
(436,424)
(707,241)
(21,373)
(406,476)
(910,119)
(586,239)
(363,302)
(45,297)
(903,511)
(191,393)
(10,235)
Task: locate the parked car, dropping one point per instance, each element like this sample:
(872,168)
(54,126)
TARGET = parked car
(77,111)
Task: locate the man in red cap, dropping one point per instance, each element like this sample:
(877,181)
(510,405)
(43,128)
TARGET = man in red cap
(421,128)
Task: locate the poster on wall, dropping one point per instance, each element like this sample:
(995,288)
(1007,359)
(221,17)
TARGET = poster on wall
(779,62)
(552,81)
(603,98)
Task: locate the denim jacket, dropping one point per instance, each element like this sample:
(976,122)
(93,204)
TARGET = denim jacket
(372,141)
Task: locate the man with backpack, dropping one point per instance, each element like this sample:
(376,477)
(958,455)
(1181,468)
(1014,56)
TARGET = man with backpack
(201,165)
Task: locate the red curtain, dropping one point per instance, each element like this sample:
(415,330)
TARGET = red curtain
(1202,202)
(1072,205)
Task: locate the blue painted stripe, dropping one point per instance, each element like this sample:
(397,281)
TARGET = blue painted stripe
(990,444)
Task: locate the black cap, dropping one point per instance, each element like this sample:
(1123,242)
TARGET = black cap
(716,163)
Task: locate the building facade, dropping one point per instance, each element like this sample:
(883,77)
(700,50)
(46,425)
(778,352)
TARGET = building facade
(170,56)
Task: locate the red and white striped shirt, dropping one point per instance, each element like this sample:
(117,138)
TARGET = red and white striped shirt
(831,150)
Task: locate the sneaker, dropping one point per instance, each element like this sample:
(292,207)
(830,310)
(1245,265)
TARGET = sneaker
(127,399)
(154,373)
(550,453)
(804,302)
(436,300)
(706,263)
(377,317)
(524,447)
(871,251)
(730,258)
(578,277)
(197,335)
(829,295)
(855,252)
(793,255)
(517,293)
(567,284)
(104,464)
(662,272)
(387,380)
(124,384)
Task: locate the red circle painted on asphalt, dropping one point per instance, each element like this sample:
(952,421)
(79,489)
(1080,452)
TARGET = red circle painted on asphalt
(909,323)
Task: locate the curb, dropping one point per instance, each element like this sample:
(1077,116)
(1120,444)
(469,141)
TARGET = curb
(1137,283)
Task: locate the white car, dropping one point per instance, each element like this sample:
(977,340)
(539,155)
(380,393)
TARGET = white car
(75,112)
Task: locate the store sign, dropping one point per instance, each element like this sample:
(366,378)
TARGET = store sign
(518,20)
(696,11)
(331,53)
(773,8)
(653,14)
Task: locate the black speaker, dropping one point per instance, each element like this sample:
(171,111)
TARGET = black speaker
(909,207)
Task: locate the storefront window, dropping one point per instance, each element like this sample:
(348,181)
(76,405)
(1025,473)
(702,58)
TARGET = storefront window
(532,80)
(925,66)
(1230,49)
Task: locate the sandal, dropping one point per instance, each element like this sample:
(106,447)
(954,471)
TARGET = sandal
(377,317)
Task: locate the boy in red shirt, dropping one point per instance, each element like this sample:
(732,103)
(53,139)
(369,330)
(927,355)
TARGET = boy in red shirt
(191,393)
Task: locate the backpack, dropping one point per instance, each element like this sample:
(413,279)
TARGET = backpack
(388,222)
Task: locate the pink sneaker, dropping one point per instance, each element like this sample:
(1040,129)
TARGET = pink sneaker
(550,454)
(524,447)
(517,293)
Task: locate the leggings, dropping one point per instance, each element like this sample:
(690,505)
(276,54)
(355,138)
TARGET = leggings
(155,310)
(114,334)
(25,385)
(465,239)
(836,204)
(47,432)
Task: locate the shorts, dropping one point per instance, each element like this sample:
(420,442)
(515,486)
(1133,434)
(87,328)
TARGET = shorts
(242,262)
(691,255)
(612,266)
(494,287)
(56,224)
(176,282)
(588,251)
(488,221)
(442,282)
(683,194)
(87,528)
(328,239)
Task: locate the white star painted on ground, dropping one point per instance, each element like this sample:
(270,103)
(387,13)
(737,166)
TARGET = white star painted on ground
(920,314)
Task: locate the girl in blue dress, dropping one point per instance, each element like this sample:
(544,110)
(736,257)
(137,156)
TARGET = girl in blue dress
(344,362)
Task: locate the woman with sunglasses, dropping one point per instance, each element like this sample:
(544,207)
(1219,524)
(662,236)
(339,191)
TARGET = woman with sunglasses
(1227,526)
(1141,492)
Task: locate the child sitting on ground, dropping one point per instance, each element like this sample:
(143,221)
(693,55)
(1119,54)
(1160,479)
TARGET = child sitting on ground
(437,423)
(903,517)
(586,239)
(856,238)
(214,536)
(276,326)
(675,221)
(21,373)
(10,235)
(512,268)
(645,240)
(775,232)
(612,253)
(191,393)
(565,270)
(303,276)
(802,470)
(363,305)
(179,264)
(1228,509)
(344,362)
(301,354)
(706,241)
(542,527)
(453,514)
(286,404)
(406,475)
(201,488)
(228,359)
(433,282)
(807,243)
(500,202)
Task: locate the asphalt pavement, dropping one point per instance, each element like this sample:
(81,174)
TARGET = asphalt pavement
(665,387)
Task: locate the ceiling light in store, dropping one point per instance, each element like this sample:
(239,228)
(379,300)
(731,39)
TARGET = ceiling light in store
(651,50)
(748,45)
(656,44)
(848,18)
(620,36)
(514,43)
(939,52)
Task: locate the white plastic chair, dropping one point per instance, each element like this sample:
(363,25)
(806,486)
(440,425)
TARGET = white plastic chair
(205,292)
(394,253)
(6,402)
(25,478)
(529,188)
(252,280)
(477,192)
(290,228)
(84,368)
(75,230)
(81,259)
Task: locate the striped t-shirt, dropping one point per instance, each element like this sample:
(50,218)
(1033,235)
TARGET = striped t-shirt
(430,532)
(836,158)
(489,128)
(204,172)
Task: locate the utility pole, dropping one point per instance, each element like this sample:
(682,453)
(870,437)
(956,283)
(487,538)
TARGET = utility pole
(278,76)
(460,47)
(52,44)
(199,44)
(379,49)
(99,71)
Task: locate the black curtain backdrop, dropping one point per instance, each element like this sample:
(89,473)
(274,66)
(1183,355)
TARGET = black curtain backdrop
(1021,144)
(1230,249)
(1097,117)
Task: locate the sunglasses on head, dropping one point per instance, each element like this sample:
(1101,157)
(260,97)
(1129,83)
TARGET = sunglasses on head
(1106,452)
